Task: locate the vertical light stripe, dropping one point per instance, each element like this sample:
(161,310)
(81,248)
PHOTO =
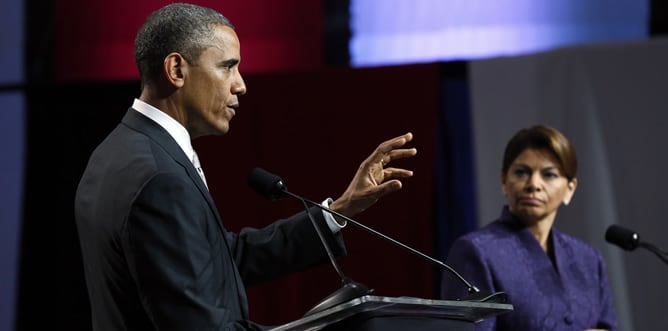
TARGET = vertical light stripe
(11,192)
(12,147)
(11,42)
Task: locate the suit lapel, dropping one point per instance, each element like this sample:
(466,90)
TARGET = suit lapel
(145,125)
(544,272)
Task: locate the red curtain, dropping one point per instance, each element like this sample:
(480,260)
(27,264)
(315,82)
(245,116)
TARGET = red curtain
(94,40)
(313,129)
(309,124)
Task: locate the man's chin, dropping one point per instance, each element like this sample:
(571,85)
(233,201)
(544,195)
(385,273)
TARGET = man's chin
(222,129)
(211,132)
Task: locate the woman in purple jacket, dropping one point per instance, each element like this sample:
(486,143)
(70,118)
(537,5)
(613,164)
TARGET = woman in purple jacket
(553,280)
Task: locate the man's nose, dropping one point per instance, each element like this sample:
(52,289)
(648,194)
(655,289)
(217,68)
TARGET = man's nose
(239,88)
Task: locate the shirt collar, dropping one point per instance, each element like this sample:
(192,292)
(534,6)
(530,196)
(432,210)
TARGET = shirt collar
(174,128)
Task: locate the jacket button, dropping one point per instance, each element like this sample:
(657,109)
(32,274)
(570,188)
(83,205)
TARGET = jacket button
(568,319)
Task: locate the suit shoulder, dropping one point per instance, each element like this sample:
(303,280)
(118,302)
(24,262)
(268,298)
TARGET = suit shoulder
(491,234)
(576,245)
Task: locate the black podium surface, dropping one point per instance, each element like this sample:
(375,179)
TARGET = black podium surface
(398,313)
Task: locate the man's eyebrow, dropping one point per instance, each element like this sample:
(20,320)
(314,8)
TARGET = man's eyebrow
(229,63)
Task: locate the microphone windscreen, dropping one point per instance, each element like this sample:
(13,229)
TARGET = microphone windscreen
(266,184)
(622,237)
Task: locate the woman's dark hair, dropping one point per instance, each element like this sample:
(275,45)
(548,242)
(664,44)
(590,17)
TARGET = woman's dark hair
(542,137)
(180,27)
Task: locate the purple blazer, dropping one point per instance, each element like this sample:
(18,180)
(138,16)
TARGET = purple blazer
(572,294)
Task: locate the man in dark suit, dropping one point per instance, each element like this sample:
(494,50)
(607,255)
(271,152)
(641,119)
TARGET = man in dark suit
(156,254)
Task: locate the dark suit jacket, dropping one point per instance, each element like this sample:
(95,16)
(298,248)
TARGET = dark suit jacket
(156,254)
(505,256)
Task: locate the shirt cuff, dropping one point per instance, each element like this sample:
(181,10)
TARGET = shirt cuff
(334,226)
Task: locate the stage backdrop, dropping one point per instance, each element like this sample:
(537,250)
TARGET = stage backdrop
(610,100)
(12,143)
(314,129)
(275,35)
(311,128)
(311,125)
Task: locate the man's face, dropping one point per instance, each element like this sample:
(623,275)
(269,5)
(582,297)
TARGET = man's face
(213,85)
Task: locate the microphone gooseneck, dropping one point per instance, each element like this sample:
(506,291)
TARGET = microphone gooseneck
(350,289)
(474,294)
(270,185)
(630,240)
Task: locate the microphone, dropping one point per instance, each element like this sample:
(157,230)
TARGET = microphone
(272,187)
(266,184)
(630,240)
(622,237)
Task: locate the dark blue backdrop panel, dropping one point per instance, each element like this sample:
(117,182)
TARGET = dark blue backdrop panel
(455,205)
(12,147)
(11,191)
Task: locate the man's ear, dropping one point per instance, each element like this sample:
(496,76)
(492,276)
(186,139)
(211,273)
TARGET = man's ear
(570,190)
(175,67)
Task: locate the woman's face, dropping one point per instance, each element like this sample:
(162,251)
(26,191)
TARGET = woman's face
(535,186)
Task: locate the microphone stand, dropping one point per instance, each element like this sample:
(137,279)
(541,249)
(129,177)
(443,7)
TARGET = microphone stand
(474,293)
(350,290)
(660,253)
(272,187)
(630,240)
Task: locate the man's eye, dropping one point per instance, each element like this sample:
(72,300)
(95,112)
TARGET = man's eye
(227,66)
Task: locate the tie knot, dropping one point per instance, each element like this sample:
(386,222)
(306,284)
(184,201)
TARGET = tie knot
(198,167)
(195,160)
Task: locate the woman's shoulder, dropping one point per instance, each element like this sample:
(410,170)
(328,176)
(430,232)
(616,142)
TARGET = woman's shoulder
(575,245)
(491,234)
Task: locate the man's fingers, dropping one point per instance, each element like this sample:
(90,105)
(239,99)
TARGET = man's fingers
(391,173)
(394,143)
(401,153)
(387,188)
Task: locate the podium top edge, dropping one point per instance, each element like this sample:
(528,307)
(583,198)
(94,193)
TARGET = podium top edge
(432,302)
(472,311)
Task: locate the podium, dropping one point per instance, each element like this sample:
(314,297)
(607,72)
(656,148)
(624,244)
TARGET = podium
(371,313)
